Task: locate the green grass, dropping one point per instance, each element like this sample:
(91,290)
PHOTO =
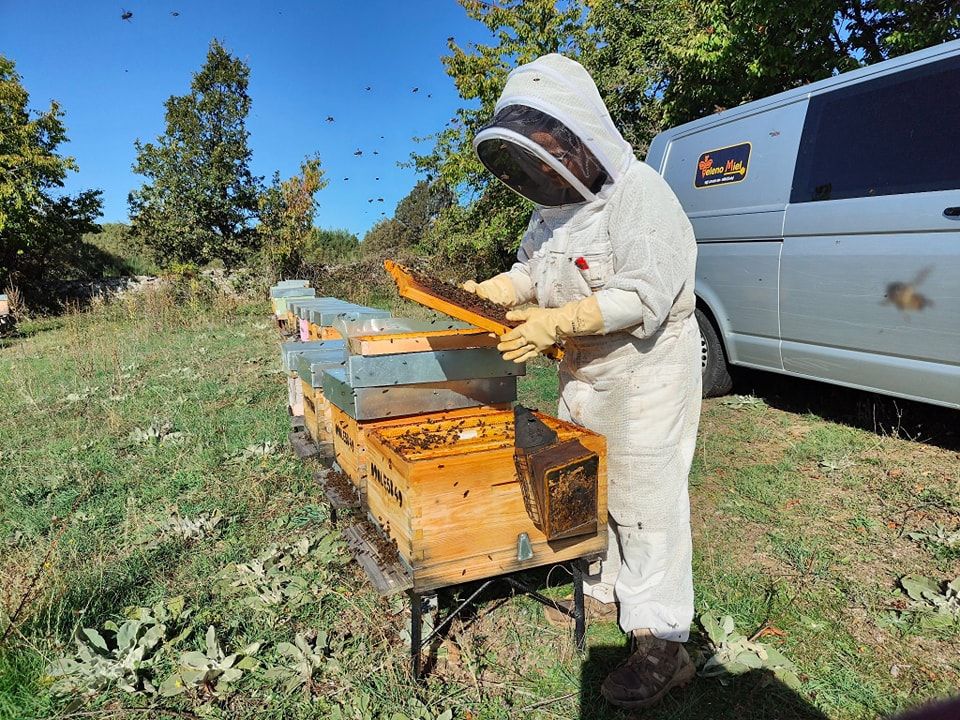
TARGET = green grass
(799,527)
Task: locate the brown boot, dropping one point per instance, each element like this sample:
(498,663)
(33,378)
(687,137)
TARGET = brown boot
(649,673)
(593,611)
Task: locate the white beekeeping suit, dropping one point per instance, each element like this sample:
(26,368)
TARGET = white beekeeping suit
(608,235)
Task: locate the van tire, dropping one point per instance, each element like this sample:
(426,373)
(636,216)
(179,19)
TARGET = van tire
(713,359)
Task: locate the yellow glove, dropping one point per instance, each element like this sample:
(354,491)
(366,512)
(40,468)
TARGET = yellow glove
(498,289)
(545,326)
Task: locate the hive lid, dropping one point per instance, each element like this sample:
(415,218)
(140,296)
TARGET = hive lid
(292,283)
(374,403)
(375,327)
(290,350)
(327,317)
(301,306)
(292,292)
(428,366)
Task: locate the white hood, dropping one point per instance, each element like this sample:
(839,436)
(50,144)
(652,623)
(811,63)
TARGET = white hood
(562,88)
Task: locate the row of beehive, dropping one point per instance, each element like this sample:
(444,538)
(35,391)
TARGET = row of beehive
(418,416)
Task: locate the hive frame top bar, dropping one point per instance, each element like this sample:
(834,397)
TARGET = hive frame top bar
(409,288)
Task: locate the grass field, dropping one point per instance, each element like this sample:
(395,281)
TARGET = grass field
(143,465)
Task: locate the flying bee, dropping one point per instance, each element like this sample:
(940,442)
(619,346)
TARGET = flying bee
(906,296)
(126,15)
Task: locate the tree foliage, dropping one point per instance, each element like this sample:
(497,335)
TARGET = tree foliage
(287,208)
(481,232)
(331,247)
(660,63)
(407,230)
(657,63)
(200,198)
(40,231)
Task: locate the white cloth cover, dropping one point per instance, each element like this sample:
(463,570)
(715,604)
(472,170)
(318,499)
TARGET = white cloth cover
(639,384)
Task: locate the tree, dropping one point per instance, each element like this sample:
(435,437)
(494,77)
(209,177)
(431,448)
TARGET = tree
(200,199)
(484,229)
(331,247)
(660,63)
(39,230)
(287,208)
(412,220)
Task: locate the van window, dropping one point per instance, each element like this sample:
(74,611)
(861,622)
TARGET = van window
(897,134)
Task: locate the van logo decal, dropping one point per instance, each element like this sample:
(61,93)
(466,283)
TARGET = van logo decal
(723,166)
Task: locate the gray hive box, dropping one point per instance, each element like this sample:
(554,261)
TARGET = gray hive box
(281,296)
(374,403)
(292,292)
(434,366)
(289,351)
(302,307)
(292,283)
(327,317)
(310,367)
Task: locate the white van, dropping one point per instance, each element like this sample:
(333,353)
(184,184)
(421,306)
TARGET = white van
(828,229)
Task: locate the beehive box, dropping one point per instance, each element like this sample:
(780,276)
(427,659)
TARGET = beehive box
(322,320)
(280,296)
(289,352)
(392,401)
(317,417)
(447,494)
(300,310)
(350,437)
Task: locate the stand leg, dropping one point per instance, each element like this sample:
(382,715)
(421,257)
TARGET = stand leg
(579,615)
(416,628)
(333,516)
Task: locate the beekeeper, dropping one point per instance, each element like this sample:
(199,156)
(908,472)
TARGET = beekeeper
(608,257)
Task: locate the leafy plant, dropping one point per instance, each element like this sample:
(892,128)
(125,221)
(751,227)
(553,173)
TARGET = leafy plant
(278,577)
(195,528)
(304,659)
(937,536)
(157,434)
(255,451)
(741,401)
(211,671)
(735,654)
(121,655)
(80,395)
(930,596)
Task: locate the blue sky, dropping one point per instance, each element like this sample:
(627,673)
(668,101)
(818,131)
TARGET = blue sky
(308,60)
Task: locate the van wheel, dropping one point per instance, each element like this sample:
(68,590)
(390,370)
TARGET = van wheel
(713,359)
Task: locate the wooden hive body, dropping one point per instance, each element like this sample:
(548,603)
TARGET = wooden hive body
(317,413)
(447,493)
(350,436)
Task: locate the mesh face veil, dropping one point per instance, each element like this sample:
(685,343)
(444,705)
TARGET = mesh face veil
(539,157)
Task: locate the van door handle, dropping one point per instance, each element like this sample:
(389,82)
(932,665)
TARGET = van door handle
(952,212)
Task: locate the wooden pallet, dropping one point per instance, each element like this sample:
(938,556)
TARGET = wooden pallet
(305,448)
(452,502)
(388,578)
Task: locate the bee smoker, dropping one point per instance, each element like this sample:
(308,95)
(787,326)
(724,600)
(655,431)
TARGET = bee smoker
(558,479)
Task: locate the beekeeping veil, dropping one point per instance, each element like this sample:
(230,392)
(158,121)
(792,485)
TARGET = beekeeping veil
(551,139)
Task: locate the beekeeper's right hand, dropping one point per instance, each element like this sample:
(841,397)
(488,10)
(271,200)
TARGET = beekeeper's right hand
(498,289)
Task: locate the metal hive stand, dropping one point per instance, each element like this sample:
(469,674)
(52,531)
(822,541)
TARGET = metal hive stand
(390,578)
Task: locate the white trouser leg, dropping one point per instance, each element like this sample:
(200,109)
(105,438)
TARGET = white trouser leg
(600,577)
